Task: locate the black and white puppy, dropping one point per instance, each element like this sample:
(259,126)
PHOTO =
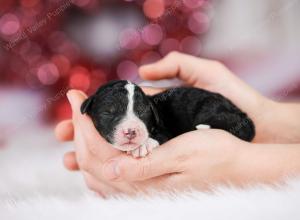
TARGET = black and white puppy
(134,122)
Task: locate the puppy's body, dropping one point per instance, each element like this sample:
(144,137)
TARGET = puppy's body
(186,109)
(134,122)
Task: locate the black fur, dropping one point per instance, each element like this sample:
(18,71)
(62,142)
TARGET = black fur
(107,107)
(167,114)
(182,109)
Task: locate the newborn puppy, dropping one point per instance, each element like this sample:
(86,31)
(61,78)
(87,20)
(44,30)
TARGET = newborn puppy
(136,123)
(124,116)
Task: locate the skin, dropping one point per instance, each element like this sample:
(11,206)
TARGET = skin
(199,159)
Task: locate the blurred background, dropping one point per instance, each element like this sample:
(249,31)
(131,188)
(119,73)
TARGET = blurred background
(50,46)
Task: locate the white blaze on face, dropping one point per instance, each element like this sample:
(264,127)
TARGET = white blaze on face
(130,90)
(130,124)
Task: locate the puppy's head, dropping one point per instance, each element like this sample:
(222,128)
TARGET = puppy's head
(122,114)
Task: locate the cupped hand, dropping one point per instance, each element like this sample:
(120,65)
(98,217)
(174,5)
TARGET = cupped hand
(198,159)
(195,159)
(91,149)
(210,152)
(215,77)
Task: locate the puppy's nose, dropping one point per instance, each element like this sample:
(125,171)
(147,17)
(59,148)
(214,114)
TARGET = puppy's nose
(130,134)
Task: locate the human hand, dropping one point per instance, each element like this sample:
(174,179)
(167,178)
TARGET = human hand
(196,159)
(65,130)
(91,149)
(214,76)
(200,159)
(204,159)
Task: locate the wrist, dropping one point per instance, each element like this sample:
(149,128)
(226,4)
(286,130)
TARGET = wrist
(263,118)
(279,123)
(266,163)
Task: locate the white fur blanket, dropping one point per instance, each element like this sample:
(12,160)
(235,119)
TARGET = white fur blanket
(34,185)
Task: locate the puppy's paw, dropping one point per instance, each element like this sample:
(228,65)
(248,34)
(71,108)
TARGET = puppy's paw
(151,144)
(202,126)
(145,148)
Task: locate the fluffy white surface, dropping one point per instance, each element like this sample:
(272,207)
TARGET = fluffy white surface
(34,185)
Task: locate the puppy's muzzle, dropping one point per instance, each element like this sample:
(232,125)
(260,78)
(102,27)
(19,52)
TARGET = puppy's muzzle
(130,133)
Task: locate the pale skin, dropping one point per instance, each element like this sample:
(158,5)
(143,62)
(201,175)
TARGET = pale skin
(199,159)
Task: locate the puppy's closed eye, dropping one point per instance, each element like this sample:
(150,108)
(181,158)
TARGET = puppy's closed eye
(107,114)
(110,110)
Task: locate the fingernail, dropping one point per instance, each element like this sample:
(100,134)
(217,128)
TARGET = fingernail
(112,170)
(70,97)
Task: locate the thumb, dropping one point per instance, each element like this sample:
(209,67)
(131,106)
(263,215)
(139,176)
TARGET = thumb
(94,142)
(76,98)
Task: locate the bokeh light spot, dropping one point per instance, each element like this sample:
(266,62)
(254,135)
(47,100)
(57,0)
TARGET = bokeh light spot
(191,45)
(48,74)
(193,3)
(169,45)
(198,22)
(63,111)
(127,70)
(9,24)
(80,78)
(152,34)
(62,63)
(99,78)
(154,8)
(129,38)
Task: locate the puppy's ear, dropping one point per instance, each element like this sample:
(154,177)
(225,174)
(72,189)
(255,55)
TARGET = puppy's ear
(155,113)
(86,104)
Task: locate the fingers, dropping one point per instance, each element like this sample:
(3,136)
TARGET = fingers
(103,189)
(64,131)
(70,161)
(164,160)
(151,90)
(93,168)
(183,66)
(85,130)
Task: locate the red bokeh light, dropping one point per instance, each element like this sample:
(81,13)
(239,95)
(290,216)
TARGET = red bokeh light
(48,74)
(193,3)
(198,22)
(152,34)
(154,8)
(191,45)
(169,45)
(9,24)
(62,63)
(80,78)
(63,111)
(129,38)
(99,78)
(51,56)
(127,70)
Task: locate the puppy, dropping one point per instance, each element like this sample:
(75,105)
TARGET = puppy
(136,123)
